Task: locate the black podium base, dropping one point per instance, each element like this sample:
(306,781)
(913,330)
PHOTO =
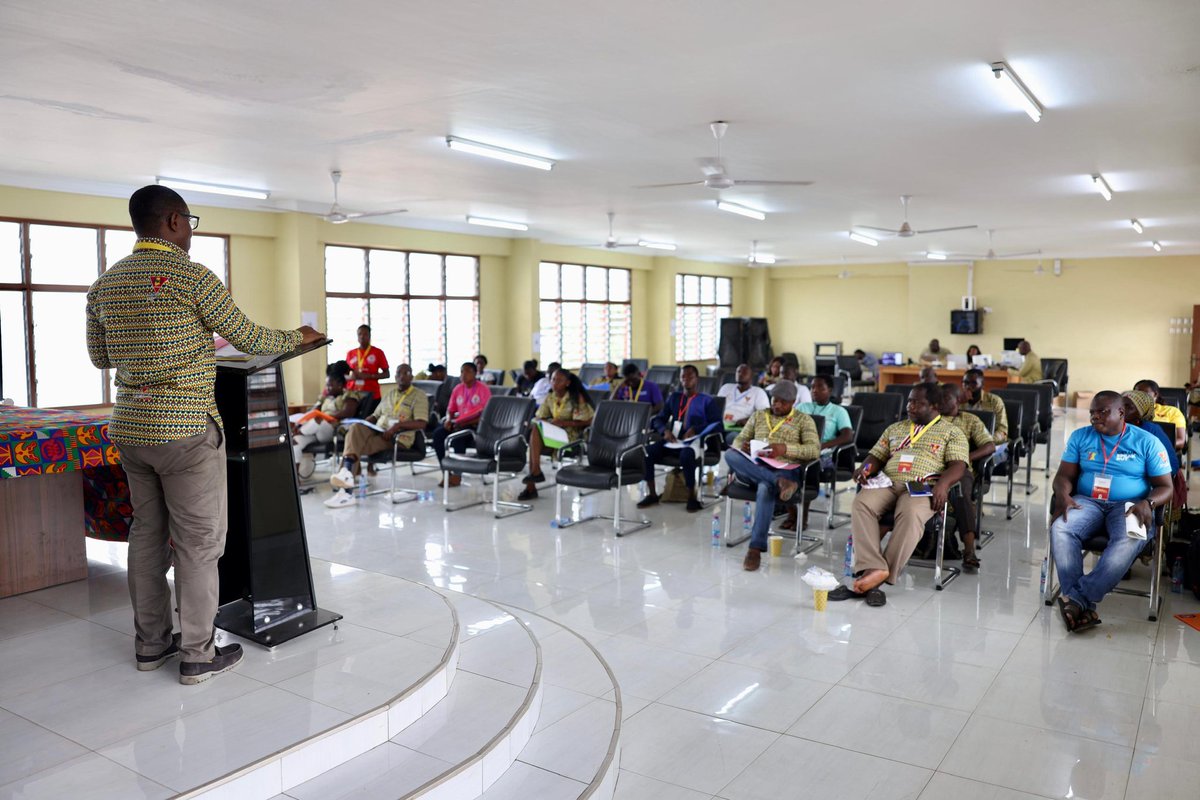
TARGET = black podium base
(238,618)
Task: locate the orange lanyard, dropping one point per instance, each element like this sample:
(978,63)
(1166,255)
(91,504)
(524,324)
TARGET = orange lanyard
(683,407)
(1109,454)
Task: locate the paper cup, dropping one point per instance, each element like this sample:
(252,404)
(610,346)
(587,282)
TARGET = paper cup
(1133,528)
(820,598)
(775,543)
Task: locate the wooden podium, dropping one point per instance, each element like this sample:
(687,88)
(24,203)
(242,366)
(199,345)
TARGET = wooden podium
(267,593)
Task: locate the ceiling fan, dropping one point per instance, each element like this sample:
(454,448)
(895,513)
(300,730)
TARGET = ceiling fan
(337,216)
(991,254)
(906,230)
(612,243)
(715,176)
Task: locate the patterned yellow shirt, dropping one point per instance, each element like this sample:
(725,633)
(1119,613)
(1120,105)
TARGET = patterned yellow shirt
(797,430)
(397,406)
(973,428)
(565,409)
(152,317)
(935,447)
(994,404)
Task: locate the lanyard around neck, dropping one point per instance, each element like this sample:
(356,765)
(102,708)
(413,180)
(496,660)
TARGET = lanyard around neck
(915,432)
(1108,454)
(778,425)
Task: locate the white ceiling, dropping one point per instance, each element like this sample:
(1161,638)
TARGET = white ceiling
(869,99)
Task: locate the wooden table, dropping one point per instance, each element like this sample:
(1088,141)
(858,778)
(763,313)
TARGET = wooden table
(992,378)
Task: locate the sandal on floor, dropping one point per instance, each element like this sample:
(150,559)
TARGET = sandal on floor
(1071,612)
(876,598)
(844,593)
(1089,619)
(970,564)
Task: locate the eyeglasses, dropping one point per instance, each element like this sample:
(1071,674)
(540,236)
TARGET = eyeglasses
(193,220)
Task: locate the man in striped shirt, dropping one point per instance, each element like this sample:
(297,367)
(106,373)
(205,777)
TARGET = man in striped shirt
(151,317)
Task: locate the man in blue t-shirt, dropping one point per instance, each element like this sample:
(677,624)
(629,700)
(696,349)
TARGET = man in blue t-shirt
(836,429)
(1104,467)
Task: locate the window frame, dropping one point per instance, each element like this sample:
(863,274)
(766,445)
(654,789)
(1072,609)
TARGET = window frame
(367,295)
(27,288)
(585,302)
(681,303)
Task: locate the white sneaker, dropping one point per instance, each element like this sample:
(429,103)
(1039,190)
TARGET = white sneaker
(340,499)
(342,479)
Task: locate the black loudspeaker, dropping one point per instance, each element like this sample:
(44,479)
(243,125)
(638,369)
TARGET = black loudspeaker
(745,339)
(758,342)
(730,350)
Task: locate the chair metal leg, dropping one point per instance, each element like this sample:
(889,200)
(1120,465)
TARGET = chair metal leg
(512,509)
(729,525)
(482,499)
(632,525)
(942,575)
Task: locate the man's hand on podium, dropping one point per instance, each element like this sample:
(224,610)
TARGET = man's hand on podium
(310,335)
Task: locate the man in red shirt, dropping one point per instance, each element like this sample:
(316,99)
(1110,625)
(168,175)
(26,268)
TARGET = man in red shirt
(367,365)
(467,401)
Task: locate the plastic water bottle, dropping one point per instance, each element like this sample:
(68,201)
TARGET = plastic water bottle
(1045,573)
(848,567)
(747,519)
(716,529)
(360,490)
(1177,576)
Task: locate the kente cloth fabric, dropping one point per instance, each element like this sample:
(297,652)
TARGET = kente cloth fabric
(36,441)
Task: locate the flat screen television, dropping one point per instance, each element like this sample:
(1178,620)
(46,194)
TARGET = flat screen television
(1013,342)
(970,322)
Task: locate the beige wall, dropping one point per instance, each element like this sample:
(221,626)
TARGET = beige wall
(1109,316)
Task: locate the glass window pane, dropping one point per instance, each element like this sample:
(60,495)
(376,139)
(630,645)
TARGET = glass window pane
(678,289)
(343,315)
(691,288)
(596,346)
(64,255)
(10,252)
(724,291)
(389,328)
(65,375)
(387,272)
(462,317)
(708,290)
(462,276)
(428,334)
(572,334)
(618,285)
(117,245)
(345,269)
(12,340)
(620,330)
(572,283)
(597,283)
(548,281)
(206,250)
(551,350)
(424,274)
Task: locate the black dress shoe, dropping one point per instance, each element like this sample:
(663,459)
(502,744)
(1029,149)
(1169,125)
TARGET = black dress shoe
(647,501)
(225,659)
(693,505)
(844,592)
(148,663)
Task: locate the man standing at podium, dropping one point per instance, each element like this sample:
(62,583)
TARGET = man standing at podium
(151,317)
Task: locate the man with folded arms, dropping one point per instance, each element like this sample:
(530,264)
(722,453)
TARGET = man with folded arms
(1109,471)
(742,399)
(924,449)
(791,438)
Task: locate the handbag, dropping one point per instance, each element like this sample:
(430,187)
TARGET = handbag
(675,490)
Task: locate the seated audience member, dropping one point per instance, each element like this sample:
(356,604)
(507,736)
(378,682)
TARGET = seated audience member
(868,362)
(402,412)
(1165,413)
(481,373)
(790,373)
(466,405)
(934,352)
(336,404)
(920,450)
(637,389)
(569,407)
(742,399)
(927,375)
(1030,370)
(1104,466)
(792,438)
(773,374)
(973,351)
(612,374)
(530,375)
(1139,412)
(836,430)
(542,388)
(434,372)
(687,413)
(974,398)
(982,446)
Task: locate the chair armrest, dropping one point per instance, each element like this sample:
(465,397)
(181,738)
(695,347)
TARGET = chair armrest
(627,451)
(577,444)
(457,434)
(500,442)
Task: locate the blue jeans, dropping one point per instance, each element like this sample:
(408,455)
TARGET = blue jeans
(763,478)
(1001,454)
(1066,541)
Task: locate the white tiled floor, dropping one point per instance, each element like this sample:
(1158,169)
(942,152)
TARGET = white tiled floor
(732,685)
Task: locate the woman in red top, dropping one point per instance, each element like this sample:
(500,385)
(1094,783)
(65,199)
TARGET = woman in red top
(368,365)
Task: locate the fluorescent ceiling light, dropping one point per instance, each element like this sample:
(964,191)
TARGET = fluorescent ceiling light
(1137,226)
(1157,247)
(498,223)
(762,258)
(213,188)
(656,245)
(499,153)
(745,211)
(1017,91)
(1102,186)
(863,239)
(936,256)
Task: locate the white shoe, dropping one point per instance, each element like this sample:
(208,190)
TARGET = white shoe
(342,479)
(341,499)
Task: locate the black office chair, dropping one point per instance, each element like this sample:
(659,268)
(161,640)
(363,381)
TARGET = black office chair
(501,391)
(880,409)
(442,399)
(1015,411)
(666,377)
(852,368)
(497,376)
(500,447)
(642,364)
(598,395)
(1045,413)
(1055,370)
(901,389)
(590,373)
(937,563)
(1174,396)
(708,385)
(808,476)
(844,458)
(1031,402)
(712,449)
(615,454)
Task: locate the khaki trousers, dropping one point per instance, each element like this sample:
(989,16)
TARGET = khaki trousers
(179,504)
(911,515)
(362,441)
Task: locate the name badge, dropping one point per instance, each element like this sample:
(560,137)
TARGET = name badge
(1101,485)
(677,428)
(906,463)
